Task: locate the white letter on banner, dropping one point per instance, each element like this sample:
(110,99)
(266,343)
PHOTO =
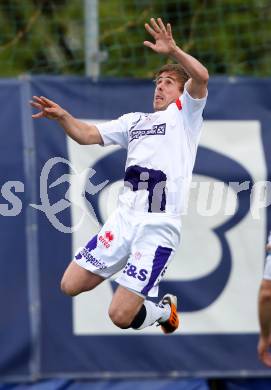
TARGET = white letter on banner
(214,198)
(260,197)
(11,198)
(230,207)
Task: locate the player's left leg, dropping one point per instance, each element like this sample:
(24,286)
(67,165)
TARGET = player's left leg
(76,280)
(102,256)
(129,309)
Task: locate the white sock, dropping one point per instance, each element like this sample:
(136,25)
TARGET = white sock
(154,313)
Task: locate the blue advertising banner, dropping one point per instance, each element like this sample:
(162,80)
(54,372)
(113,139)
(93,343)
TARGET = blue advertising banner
(67,191)
(15,327)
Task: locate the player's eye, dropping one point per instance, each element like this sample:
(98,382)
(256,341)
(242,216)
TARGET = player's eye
(157,81)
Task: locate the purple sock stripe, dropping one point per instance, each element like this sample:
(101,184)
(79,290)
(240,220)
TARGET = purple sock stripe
(160,259)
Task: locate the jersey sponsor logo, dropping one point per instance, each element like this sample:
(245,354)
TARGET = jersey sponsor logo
(85,253)
(132,271)
(106,239)
(109,236)
(155,130)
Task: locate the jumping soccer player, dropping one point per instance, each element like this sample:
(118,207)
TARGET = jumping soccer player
(141,236)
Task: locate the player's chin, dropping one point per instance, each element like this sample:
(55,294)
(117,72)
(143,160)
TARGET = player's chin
(159,106)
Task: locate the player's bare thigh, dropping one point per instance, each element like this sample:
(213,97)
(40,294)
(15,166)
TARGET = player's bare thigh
(124,307)
(77,279)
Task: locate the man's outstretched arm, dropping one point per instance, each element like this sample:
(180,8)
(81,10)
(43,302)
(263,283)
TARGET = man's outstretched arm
(83,133)
(264,306)
(165,44)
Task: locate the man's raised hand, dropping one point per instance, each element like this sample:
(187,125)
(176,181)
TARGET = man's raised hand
(47,108)
(164,42)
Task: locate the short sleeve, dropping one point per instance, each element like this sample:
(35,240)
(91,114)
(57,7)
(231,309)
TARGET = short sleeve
(192,110)
(115,132)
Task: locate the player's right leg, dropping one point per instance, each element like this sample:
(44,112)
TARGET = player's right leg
(77,280)
(153,246)
(130,309)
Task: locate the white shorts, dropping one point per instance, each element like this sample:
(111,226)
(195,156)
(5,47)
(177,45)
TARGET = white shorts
(141,245)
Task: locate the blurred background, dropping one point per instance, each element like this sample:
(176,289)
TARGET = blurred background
(88,56)
(231,37)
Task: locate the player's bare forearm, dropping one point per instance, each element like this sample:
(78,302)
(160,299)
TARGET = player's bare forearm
(265,322)
(197,72)
(265,308)
(79,131)
(83,133)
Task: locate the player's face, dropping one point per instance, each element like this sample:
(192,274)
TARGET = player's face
(166,92)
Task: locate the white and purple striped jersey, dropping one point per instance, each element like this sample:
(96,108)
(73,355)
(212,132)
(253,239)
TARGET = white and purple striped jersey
(161,151)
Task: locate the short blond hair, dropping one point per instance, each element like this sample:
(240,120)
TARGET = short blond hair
(178,71)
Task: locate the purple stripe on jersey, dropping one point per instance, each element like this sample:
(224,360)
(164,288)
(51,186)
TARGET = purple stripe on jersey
(160,259)
(90,246)
(92,243)
(152,180)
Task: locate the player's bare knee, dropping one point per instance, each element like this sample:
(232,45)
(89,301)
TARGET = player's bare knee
(68,288)
(120,317)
